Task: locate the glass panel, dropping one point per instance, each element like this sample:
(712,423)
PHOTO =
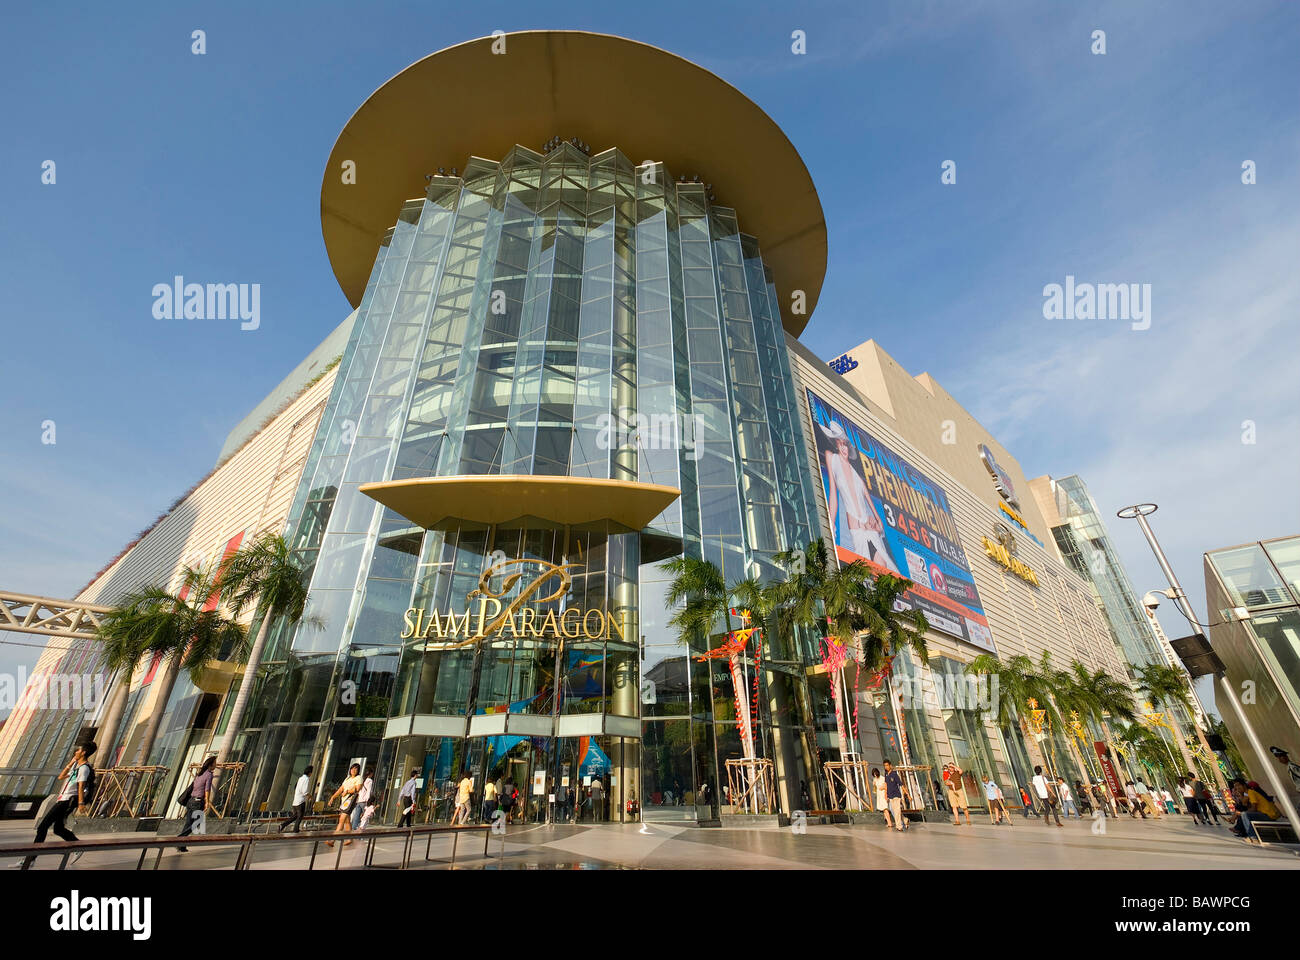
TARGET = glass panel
(1250,578)
(1286,554)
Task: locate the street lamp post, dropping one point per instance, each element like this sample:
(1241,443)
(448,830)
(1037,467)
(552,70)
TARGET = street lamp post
(1140,512)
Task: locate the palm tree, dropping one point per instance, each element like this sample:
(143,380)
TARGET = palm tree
(1166,686)
(847,602)
(698,587)
(887,631)
(1017,683)
(177,627)
(1109,697)
(1074,698)
(1149,750)
(269,577)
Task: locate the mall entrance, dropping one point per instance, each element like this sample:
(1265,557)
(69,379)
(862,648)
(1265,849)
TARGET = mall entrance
(580,780)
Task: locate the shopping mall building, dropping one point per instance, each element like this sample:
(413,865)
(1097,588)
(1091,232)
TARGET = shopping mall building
(579,267)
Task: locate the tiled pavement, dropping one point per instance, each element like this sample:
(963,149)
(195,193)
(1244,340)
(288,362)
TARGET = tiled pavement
(1125,844)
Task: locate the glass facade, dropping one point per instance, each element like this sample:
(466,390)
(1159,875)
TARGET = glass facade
(558,314)
(1265,579)
(1086,547)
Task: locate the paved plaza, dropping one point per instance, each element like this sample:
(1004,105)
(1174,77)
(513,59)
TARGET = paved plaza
(1172,844)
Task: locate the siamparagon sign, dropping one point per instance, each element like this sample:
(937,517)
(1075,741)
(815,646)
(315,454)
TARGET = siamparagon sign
(492,613)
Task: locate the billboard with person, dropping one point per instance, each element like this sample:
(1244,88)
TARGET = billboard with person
(890,515)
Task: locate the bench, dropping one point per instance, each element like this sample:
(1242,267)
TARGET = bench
(1279,831)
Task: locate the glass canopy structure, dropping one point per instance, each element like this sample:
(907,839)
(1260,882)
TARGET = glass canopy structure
(566,368)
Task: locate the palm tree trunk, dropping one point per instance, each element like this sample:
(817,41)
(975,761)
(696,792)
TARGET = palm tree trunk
(246,684)
(1036,757)
(1114,754)
(1182,741)
(166,683)
(107,731)
(1214,765)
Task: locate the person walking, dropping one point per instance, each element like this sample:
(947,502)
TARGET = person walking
(1084,797)
(1145,798)
(78,789)
(347,797)
(957,802)
(489,800)
(509,796)
(300,792)
(1135,805)
(1046,796)
(1099,799)
(1206,798)
(1067,801)
(882,801)
(371,804)
(993,794)
(1026,805)
(363,799)
(1190,800)
(894,795)
(598,800)
(197,803)
(464,790)
(406,799)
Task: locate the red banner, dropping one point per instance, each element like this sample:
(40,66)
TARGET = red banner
(1112,780)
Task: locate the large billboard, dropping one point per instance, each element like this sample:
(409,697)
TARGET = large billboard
(892,516)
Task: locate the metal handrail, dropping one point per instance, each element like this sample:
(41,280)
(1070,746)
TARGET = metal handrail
(247,841)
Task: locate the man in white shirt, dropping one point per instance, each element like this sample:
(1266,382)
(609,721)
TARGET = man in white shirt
(1046,796)
(1066,798)
(406,799)
(300,792)
(78,778)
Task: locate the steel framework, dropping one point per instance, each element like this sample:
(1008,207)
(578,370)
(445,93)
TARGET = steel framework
(49,617)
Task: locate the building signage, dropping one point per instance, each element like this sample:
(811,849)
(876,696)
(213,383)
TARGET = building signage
(1001,479)
(843,364)
(892,516)
(998,553)
(497,615)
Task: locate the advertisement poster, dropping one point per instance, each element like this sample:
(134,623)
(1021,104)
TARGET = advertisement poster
(892,516)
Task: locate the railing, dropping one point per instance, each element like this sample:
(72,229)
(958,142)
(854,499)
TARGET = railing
(247,842)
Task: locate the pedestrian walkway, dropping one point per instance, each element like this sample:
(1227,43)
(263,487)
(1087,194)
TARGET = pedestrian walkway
(1125,845)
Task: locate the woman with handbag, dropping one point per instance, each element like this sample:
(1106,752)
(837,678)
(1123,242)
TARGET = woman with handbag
(195,799)
(347,794)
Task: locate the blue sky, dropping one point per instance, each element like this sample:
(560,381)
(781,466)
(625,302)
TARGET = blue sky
(1117,168)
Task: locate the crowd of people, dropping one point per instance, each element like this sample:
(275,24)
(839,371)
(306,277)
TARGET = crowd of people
(1047,797)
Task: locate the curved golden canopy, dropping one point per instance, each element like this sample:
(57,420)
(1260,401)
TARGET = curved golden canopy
(610,92)
(496,498)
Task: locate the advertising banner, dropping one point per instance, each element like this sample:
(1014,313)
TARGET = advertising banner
(889,514)
(1108,768)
